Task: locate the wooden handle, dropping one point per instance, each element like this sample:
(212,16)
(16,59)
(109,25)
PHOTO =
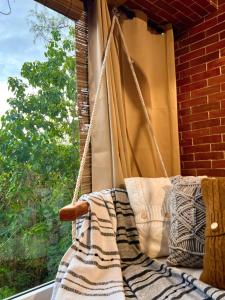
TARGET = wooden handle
(72,212)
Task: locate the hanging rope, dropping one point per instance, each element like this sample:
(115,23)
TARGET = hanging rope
(115,21)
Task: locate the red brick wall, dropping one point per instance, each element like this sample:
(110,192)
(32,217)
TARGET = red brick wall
(200,66)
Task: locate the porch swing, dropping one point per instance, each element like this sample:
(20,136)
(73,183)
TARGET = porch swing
(115,266)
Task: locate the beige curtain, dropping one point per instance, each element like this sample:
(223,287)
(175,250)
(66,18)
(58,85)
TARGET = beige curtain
(121,146)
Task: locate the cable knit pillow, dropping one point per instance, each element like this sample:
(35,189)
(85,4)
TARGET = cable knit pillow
(148,199)
(186,241)
(213,191)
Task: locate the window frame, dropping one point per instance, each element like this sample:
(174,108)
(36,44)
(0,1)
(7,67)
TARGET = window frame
(41,292)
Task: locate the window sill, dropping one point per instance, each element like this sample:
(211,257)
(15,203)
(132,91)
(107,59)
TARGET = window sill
(42,292)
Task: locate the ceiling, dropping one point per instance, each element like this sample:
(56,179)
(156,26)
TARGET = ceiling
(181,13)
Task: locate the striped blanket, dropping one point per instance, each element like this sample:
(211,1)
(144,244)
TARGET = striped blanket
(105,262)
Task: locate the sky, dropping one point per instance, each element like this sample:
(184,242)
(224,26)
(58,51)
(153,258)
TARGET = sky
(16,44)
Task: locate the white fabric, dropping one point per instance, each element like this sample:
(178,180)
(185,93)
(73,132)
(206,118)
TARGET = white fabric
(190,271)
(91,269)
(148,199)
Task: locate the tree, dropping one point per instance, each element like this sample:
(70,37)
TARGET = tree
(42,22)
(39,159)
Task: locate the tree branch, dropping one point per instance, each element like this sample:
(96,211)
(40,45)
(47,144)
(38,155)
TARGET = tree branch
(9,12)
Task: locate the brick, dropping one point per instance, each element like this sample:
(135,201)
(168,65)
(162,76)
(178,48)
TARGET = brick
(217,28)
(217,114)
(204,59)
(195,38)
(188,172)
(222,35)
(199,9)
(184,127)
(207,139)
(218,164)
(195,133)
(222,86)
(218,147)
(186,142)
(221,7)
(185,10)
(206,123)
(216,97)
(194,102)
(184,112)
(206,107)
(184,81)
(192,54)
(215,46)
(217,129)
(193,70)
(222,69)
(163,4)
(203,26)
(197,164)
(183,66)
(222,121)
(195,149)
(211,172)
(193,86)
(187,157)
(205,91)
(205,42)
(185,19)
(194,17)
(206,74)
(194,117)
(181,51)
(164,14)
(216,63)
(221,17)
(222,52)
(216,80)
(183,97)
(210,155)
(212,6)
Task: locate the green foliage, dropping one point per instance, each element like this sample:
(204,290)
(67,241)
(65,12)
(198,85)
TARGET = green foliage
(39,159)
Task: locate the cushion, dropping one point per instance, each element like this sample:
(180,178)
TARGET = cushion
(186,240)
(213,191)
(148,199)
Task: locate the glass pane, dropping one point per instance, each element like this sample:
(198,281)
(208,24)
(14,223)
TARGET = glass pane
(39,142)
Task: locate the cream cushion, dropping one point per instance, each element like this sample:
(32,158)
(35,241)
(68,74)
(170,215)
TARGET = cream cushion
(149,201)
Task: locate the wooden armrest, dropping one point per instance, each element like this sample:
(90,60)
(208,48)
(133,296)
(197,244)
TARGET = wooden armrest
(73,211)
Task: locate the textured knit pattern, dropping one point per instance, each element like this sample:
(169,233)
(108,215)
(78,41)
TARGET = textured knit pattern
(186,242)
(213,191)
(105,261)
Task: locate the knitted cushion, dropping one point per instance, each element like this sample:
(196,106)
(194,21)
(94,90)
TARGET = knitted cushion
(186,241)
(148,199)
(213,191)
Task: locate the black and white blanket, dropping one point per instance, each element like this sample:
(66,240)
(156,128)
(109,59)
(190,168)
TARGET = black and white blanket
(105,262)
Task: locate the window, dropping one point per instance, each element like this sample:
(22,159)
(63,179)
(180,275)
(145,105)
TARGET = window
(39,142)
